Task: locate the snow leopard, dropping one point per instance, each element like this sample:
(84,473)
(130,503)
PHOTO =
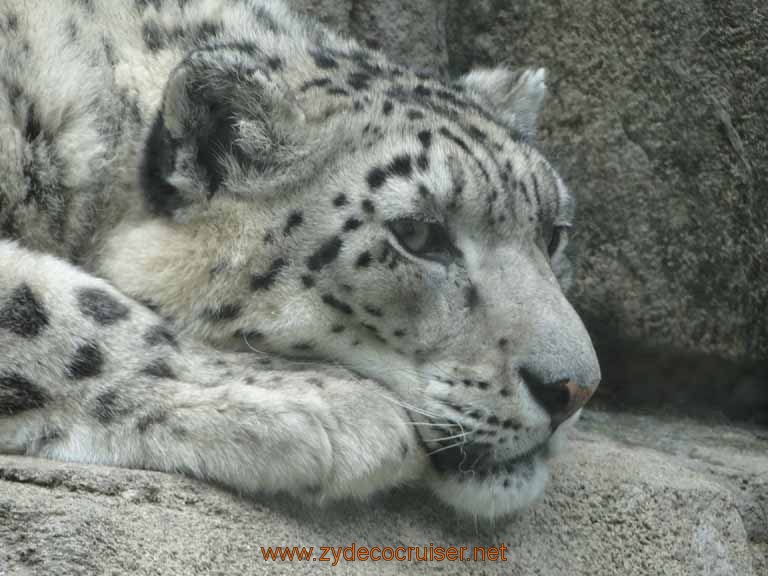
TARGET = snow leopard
(239,246)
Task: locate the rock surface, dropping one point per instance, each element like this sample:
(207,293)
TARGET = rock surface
(657,119)
(633,495)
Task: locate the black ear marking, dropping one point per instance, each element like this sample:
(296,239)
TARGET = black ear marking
(197,132)
(215,138)
(159,159)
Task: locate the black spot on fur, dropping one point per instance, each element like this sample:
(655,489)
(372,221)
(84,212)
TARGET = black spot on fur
(352,224)
(376,178)
(152,35)
(295,219)
(106,406)
(323,60)
(159,369)
(424,191)
(158,335)
(503,342)
(98,304)
(308,281)
(415,115)
(483,385)
(146,421)
(509,423)
(400,166)
(368,206)
(364,260)
(337,91)
(387,107)
(425,137)
(266,281)
(326,254)
(422,161)
(223,313)
(23,314)
(373,311)
(399,333)
(471,297)
(333,302)
(269,238)
(17,394)
(33,129)
(207,30)
(340,200)
(338,328)
(86,363)
(359,80)
(275,63)
(316,83)
(422,91)
(303,346)
(477,134)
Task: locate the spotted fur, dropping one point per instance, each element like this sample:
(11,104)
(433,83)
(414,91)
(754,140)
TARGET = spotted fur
(236,245)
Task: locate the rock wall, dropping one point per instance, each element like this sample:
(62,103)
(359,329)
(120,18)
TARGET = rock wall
(657,119)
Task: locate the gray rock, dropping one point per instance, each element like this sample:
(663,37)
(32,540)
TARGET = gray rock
(674,506)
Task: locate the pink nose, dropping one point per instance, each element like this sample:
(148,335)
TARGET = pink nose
(561,398)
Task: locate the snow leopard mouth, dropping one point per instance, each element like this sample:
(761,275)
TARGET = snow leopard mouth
(478,460)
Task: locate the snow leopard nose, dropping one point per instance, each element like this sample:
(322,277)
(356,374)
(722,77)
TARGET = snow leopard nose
(561,398)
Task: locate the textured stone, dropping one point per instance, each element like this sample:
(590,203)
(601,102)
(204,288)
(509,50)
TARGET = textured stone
(678,505)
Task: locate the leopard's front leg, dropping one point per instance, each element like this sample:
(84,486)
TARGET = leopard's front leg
(88,375)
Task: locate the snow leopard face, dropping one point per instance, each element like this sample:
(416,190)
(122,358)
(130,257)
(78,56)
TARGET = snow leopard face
(335,207)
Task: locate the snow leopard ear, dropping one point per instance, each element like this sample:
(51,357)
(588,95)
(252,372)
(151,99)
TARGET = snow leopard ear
(516,96)
(224,120)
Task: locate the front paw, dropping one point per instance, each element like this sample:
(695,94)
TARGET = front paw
(374,443)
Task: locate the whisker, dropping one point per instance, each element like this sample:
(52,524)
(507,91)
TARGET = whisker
(462,435)
(456,445)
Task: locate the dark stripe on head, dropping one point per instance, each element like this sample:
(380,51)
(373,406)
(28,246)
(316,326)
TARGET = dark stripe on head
(266,280)
(326,254)
(333,302)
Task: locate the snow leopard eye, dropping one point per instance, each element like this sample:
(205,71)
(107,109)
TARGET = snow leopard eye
(423,239)
(558,241)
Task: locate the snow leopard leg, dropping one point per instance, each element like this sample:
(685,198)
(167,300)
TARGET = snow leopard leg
(89,375)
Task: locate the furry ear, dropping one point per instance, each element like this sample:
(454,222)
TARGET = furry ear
(516,96)
(221,118)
